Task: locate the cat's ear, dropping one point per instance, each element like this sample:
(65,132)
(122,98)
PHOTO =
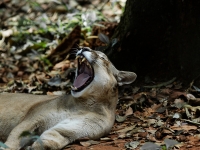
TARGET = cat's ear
(125,77)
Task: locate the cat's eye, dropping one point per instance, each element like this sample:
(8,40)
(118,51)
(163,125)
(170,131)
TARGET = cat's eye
(102,58)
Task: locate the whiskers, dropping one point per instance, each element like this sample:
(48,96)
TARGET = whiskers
(74,51)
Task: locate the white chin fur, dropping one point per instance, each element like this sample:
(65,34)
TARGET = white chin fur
(75,94)
(79,94)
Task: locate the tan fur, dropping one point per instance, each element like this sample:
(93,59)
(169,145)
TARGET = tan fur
(62,119)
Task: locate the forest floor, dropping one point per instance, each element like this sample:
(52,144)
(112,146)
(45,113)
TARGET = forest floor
(36,40)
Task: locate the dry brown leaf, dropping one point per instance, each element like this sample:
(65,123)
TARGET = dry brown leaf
(167,131)
(139,95)
(176,94)
(148,112)
(178,101)
(159,134)
(143,134)
(156,106)
(190,96)
(152,138)
(126,129)
(179,145)
(193,138)
(151,130)
(62,65)
(197,136)
(122,135)
(106,139)
(129,111)
(182,138)
(184,127)
(135,130)
(151,121)
(86,144)
(166,91)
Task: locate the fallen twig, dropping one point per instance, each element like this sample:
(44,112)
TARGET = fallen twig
(161,84)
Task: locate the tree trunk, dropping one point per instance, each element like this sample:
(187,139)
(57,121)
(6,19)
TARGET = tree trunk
(159,37)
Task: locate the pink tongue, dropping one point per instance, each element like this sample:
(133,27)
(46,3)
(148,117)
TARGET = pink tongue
(81,79)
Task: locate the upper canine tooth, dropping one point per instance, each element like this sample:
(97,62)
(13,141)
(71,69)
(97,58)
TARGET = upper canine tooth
(89,64)
(77,57)
(83,59)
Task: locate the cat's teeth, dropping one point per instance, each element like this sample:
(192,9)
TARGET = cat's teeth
(74,88)
(77,57)
(83,59)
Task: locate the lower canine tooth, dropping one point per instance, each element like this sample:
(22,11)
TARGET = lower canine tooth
(88,64)
(83,60)
(77,57)
(74,88)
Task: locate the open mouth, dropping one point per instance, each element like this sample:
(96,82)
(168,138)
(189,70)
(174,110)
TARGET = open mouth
(85,74)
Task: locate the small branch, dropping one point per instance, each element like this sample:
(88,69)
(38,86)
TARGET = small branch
(162,84)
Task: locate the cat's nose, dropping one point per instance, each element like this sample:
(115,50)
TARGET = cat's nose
(84,49)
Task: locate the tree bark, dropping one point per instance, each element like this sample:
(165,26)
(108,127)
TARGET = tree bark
(159,37)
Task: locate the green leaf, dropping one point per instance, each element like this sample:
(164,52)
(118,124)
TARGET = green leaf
(25,133)
(39,45)
(46,61)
